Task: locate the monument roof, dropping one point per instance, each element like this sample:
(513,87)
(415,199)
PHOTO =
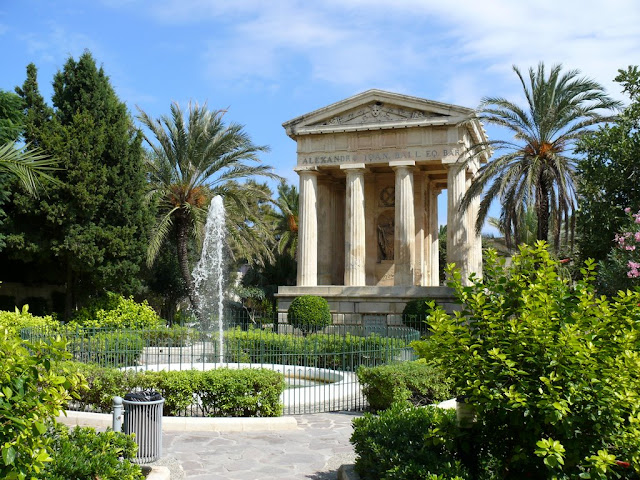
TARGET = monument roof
(378,109)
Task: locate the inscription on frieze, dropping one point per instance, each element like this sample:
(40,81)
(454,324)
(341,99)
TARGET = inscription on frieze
(417,154)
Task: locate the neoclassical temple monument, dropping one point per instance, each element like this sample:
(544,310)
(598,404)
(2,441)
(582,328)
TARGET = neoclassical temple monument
(371,169)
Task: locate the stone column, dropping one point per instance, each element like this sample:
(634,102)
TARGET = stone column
(421,209)
(434,228)
(457,223)
(308,229)
(326,212)
(355,252)
(475,239)
(405,223)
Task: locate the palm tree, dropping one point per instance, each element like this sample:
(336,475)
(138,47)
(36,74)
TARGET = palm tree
(192,160)
(536,167)
(287,219)
(30,167)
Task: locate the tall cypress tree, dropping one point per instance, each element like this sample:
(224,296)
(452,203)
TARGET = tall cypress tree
(96,222)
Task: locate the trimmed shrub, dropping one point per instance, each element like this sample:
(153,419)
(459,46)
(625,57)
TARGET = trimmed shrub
(103,384)
(108,348)
(407,443)
(332,351)
(416,382)
(174,336)
(221,392)
(309,313)
(83,453)
(115,312)
(415,313)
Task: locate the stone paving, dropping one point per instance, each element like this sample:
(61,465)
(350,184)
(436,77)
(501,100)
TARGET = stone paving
(315,450)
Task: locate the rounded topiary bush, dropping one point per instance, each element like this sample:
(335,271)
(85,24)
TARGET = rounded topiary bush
(416,311)
(309,313)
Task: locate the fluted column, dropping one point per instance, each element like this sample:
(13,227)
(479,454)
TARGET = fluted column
(308,230)
(404,248)
(457,221)
(475,239)
(355,252)
(434,237)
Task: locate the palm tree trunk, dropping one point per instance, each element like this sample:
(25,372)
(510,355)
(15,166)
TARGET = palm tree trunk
(183,259)
(542,209)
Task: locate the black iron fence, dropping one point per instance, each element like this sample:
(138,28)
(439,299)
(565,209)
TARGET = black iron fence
(319,365)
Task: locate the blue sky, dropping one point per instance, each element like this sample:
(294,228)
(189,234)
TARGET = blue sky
(270,61)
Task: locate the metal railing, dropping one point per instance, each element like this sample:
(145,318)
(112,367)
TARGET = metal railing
(319,365)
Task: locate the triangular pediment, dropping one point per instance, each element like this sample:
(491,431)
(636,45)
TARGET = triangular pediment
(376,109)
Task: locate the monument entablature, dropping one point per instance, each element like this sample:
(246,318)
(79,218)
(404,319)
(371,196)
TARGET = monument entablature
(371,168)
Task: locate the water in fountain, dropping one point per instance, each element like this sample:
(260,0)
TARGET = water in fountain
(208,276)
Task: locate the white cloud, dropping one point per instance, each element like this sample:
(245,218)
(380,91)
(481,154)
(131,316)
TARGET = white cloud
(413,43)
(57,43)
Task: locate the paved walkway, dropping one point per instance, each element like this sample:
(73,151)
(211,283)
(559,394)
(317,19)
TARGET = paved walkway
(314,451)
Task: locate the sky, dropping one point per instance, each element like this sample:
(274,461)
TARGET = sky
(267,62)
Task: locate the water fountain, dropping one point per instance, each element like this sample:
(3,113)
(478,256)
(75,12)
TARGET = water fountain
(208,276)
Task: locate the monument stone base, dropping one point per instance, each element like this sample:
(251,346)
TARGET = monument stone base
(362,305)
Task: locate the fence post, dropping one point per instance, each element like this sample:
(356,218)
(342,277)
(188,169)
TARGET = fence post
(117,414)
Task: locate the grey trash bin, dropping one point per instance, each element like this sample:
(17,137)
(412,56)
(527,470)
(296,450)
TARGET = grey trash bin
(143,416)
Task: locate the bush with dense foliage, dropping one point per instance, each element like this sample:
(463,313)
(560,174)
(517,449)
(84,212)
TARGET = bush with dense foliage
(221,392)
(621,269)
(116,312)
(407,443)
(334,351)
(83,453)
(416,382)
(309,313)
(552,369)
(33,390)
(21,318)
(416,311)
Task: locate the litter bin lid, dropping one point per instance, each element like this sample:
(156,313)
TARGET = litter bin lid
(143,396)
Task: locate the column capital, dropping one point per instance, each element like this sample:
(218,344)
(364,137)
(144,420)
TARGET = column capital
(307,170)
(402,163)
(353,167)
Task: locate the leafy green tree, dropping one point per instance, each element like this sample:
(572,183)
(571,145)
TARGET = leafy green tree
(195,157)
(92,226)
(11,117)
(28,167)
(610,175)
(287,217)
(536,168)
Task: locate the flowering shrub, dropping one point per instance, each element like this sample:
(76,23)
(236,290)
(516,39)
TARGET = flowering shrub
(629,242)
(621,270)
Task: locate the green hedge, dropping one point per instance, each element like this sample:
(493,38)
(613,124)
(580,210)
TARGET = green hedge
(407,443)
(221,392)
(344,352)
(108,348)
(83,453)
(416,382)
